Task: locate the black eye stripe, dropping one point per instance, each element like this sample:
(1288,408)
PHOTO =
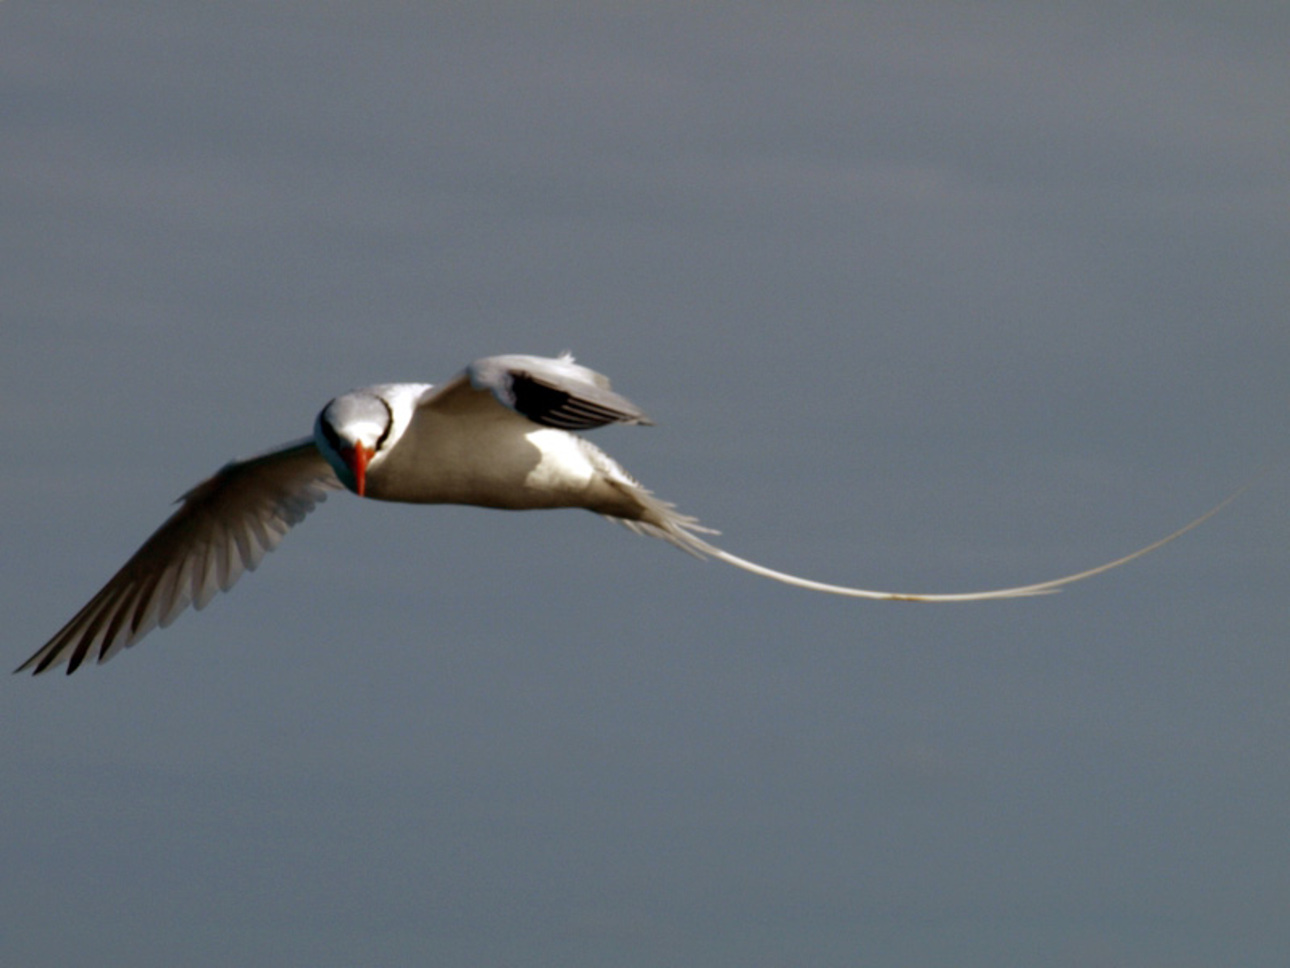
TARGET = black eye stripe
(329,432)
(389,424)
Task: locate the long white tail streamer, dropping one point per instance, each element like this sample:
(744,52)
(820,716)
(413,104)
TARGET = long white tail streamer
(1020,591)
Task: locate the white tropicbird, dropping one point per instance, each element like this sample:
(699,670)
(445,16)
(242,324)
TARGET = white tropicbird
(498,435)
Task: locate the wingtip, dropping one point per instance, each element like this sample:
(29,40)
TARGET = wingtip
(35,665)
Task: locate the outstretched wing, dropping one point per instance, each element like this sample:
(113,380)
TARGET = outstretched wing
(553,392)
(224,526)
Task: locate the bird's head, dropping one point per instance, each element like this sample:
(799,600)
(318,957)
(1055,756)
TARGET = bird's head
(350,431)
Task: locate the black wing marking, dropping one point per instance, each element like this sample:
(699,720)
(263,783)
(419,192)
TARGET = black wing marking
(560,405)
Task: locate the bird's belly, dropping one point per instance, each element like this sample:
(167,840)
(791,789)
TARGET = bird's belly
(541,469)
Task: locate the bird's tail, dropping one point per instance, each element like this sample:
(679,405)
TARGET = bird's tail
(662,520)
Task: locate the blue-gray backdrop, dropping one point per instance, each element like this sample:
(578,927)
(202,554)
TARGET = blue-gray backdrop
(927,296)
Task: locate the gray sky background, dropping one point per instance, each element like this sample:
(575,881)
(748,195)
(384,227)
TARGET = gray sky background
(922,296)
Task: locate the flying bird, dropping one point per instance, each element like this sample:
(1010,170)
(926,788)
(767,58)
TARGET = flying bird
(502,434)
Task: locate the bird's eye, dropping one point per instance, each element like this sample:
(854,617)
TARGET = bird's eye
(329,432)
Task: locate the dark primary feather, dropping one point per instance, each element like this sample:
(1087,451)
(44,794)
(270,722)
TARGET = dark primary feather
(553,392)
(554,406)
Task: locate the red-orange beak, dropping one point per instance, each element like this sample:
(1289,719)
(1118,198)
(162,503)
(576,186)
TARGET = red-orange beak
(358,459)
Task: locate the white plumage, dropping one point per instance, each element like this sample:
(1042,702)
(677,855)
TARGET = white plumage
(499,435)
